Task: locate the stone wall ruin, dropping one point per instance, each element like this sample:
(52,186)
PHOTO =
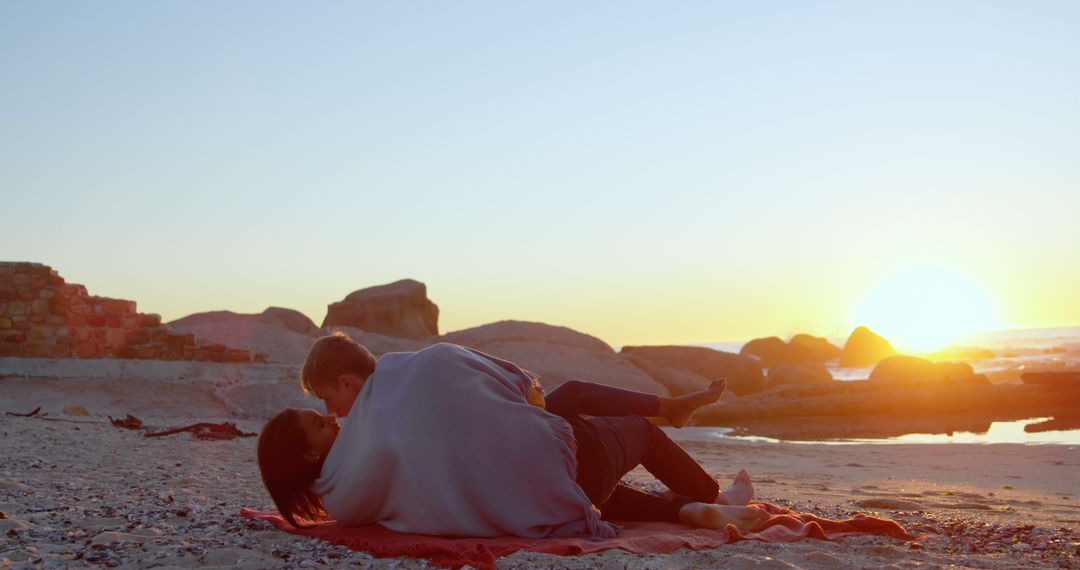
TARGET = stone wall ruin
(42,316)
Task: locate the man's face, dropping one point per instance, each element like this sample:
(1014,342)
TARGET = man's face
(339,397)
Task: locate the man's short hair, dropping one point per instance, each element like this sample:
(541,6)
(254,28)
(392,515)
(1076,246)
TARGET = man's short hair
(332,356)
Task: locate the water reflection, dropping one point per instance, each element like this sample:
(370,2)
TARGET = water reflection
(1036,431)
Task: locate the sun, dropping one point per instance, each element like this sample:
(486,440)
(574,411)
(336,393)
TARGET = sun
(922,309)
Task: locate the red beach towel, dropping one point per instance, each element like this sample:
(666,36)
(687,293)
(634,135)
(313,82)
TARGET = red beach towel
(641,538)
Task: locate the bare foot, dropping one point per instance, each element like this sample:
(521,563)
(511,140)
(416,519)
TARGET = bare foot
(678,411)
(739,493)
(705,515)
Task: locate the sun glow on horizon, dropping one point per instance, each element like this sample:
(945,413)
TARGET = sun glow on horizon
(923,308)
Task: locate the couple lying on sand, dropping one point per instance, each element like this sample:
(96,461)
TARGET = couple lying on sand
(451,441)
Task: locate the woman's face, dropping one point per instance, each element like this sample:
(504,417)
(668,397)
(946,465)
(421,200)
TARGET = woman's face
(320,432)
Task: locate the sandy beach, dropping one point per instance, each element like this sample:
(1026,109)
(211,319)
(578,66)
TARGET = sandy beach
(78,492)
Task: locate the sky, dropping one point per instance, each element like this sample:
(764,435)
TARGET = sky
(645,172)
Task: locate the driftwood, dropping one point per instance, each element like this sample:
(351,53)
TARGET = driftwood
(130,422)
(26,415)
(206,431)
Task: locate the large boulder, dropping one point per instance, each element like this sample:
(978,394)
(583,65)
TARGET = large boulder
(677,382)
(864,347)
(801,348)
(770,351)
(557,354)
(743,373)
(401,309)
(816,349)
(914,370)
(291,319)
(805,373)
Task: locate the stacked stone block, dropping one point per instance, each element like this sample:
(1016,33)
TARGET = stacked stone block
(42,316)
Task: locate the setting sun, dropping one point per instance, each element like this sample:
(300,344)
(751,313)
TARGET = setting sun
(923,308)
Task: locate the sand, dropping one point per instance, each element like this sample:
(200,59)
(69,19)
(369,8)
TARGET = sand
(77,492)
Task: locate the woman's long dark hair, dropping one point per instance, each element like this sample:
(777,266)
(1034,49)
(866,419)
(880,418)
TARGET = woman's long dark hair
(286,473)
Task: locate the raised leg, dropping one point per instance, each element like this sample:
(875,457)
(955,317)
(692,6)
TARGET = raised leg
(577,397)
(586,398)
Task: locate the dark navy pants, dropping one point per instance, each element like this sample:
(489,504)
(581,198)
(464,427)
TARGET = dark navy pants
(619,438)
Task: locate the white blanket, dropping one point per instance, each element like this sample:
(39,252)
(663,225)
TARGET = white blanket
(443,442)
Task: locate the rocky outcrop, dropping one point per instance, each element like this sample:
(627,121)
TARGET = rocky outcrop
(1064,379)
(42,316)
(557,354)
(291,319)
(769,350)
(864,348)
(905,369)
(801,348)
(287,319)
(743,373)
(677,382)
(805,373)
(400,309)
(276,342)
(868,399)
(380,344)
(816,349)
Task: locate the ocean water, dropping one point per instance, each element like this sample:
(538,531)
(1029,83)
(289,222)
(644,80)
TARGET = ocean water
(998,432)
(1014,352)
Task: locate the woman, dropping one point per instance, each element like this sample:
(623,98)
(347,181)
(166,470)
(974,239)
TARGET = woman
(444,441)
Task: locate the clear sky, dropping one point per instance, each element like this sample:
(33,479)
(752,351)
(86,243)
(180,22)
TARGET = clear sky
(646,172)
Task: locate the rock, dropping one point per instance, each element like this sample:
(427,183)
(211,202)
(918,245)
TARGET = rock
(13,525)
(76,411)
(912,369)
(770,350)
(891,504)
(380,344)
(864,348)
(818,349)
(399,309)
(276,342)
(677,382)
(806,373)
(557,354)
(292,320)
(743,373)
(802,348)
(1054,379)
(288,319)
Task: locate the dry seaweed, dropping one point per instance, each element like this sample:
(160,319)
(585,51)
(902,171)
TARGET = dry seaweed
(26,415)
(206,431)
(130,422)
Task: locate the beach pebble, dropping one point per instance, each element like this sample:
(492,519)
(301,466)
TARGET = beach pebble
(7,525)
(110,537)
(76,411)
(891,504)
